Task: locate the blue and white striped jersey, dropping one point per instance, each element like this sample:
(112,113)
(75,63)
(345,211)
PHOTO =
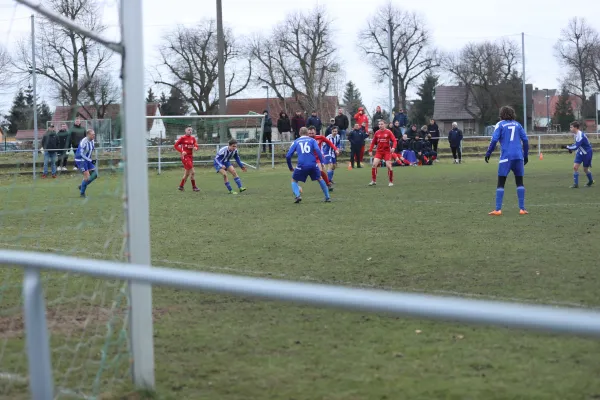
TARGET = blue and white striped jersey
(328,151)
(224,156)
(582,145)
(84,150)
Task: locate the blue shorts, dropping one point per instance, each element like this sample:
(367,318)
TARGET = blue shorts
(516,166)
(85,165)
(218,166)
(585,159)
(329,160)
(302,172)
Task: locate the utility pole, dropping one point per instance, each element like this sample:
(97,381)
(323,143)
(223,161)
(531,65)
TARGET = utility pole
(548,125)
(34,78)
(524,84)
(221,69)
(390,56)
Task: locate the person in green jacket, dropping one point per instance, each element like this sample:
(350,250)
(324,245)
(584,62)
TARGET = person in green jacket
(77,133)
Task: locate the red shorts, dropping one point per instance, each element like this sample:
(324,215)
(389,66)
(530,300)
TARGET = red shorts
(188,162)
(384,156)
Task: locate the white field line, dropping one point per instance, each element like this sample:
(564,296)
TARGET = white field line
(306,278)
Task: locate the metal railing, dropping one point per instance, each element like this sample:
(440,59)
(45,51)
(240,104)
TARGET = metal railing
(537,318)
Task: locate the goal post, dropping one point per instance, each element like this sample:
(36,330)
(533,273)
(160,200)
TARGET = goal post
(164,130)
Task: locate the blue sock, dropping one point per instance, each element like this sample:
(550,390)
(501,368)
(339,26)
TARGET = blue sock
(296,189)
(521,196)
(589,176)
(324,188)
(93,177)
(84,184)
(499,198)
(228,185)
(576,178)
(330,175)
(238,181)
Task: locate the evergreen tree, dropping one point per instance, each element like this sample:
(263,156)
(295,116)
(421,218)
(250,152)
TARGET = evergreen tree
(175,104)
(44,115)
(151,98)
(352,100)
(423,107)
(563,113)
(43,111)
(17,117)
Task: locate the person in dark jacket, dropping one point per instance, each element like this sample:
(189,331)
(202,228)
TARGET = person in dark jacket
(284,126)
(377,116)
(267,132)
(50,145)
(455,137)
(64,142)
(342,122)
(77,133)
(417,146)
(330,127)
(297,123)
(434,131)
(401,117)
(406,150)
(429,155)
(357,139)
(397,131)
(315,121)
(412,132)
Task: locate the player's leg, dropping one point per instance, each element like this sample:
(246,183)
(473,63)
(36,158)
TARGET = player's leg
(223,172)
(236,178)
(587,164)
(518,169)
(192,174)
(185,177)
(298,176)
(503,170)
(390,171)
(323,174)
(315,176)
(374,168)
(332,168)
(84,182)
(575,174)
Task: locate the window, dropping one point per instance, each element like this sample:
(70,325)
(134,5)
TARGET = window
(242,135)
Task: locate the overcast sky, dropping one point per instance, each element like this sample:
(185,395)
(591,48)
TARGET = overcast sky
(452,24)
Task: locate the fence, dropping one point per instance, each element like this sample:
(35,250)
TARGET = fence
(540,318)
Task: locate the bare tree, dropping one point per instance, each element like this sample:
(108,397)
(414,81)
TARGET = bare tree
(5,62)
(299,57)
(99,93)
(188,63)
(488,71)
(64,57)
(575,50)
(412,51)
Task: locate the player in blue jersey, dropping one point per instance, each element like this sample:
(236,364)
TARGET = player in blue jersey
(330,154)
(306,147)
(223,165)
(514,155)
(83,161)
(583,155)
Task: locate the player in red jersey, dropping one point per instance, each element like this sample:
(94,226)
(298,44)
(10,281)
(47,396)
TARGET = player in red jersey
(386,143)
(186,145)
(312,132)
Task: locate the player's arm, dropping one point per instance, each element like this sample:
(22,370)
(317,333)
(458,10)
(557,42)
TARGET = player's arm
(177,145)
(85,151)
(493,143)
(394,142)
(373,143)
(575,146)
(239,161)
(330,143)
(525,141)
(195,144)
(290,153)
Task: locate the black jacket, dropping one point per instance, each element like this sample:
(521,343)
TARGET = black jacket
(342,122)
(404,144)
(268,127)
(50,141)
(455,136)
(434,130)
(411,134)
(397,131)
(417,145)
(376,117)
(64,139)
(297,123)
(283,123)
(357,137)
(427,146)
(77,133)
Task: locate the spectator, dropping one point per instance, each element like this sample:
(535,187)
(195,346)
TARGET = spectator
(267,132)
(297,123)
(330,127)
(397,131)
(434,131)
(455,137)
(342,122)
(402,119)
(64,142)
(363,120)
(357,144)
(315,121)
(284,126)
(429,155)
(417,146)
(406,150)
(423,132)
(412,132)
(77,133)
(50,146)
(378,115)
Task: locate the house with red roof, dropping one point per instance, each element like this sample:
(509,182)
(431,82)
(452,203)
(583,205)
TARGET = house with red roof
(544,107)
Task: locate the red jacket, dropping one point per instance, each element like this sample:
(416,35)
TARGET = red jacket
(360,118)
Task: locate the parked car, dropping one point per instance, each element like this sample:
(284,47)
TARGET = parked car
(8,146)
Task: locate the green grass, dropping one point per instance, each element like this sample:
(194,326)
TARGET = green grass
(430,233)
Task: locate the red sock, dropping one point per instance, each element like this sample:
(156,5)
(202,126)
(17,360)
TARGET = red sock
(374,174)
(391,175)
(325,178)
(182,184)
(193,183)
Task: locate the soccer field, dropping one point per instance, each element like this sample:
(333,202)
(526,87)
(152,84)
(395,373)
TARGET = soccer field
(429,233)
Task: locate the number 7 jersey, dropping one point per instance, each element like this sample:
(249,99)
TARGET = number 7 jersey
(514,144)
